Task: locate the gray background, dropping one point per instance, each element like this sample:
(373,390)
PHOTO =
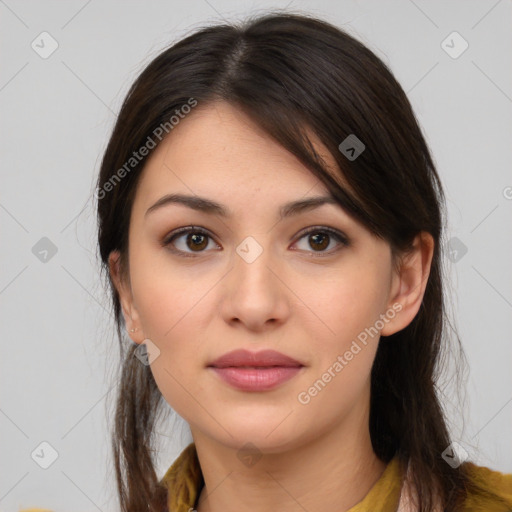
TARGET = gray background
(58,347)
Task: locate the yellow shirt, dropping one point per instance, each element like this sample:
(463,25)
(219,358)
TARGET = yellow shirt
(184,481)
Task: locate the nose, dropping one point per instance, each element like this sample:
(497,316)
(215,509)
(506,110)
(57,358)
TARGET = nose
(254,293)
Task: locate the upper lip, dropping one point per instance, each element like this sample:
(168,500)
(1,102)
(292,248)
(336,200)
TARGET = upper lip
(247,358)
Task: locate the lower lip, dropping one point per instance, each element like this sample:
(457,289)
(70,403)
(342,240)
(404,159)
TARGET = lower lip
(256,379)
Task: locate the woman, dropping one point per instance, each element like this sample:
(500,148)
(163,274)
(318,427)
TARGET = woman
(270,223)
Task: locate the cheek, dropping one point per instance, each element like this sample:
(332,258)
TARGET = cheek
(344,304)
(343,348)
(166,293)
(173,306)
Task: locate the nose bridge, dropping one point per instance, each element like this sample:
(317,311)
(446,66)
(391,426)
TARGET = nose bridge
(252,261)
(254,294)
(250,249)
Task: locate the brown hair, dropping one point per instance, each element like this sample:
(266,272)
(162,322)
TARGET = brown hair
(290,72)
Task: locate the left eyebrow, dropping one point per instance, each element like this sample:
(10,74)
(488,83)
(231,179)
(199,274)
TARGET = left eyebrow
(211,207)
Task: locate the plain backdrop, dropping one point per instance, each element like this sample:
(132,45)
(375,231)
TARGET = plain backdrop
(57,111)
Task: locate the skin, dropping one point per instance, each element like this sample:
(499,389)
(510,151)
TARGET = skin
(310,308)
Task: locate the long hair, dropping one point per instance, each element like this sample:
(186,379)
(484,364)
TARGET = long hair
(291,73)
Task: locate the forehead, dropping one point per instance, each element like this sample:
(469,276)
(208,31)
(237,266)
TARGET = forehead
(217,149)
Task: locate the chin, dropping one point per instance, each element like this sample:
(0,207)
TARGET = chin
(268,435)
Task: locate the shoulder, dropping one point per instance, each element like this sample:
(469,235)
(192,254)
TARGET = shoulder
(496,487)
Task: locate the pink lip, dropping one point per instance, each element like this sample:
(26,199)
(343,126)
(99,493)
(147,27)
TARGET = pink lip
(260,371)
(262,358)
(256,379)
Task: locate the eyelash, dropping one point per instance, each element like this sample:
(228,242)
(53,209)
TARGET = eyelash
(167,241)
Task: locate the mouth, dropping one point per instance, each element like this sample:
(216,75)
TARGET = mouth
(258,367)
(255,371)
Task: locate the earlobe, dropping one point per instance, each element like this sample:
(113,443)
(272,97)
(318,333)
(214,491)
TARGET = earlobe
(131,318)
(409,284)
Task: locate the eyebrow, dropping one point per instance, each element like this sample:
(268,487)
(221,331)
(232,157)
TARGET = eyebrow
(211,207)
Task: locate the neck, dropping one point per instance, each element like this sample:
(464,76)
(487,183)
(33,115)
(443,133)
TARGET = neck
(334,471)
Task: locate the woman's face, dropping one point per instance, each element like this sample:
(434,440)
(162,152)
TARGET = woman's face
(256,281)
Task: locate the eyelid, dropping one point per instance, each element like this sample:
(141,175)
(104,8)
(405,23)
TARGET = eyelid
(325,229)
(167,240)
(343,240)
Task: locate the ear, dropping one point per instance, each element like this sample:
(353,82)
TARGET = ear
(409,283)
(131,317)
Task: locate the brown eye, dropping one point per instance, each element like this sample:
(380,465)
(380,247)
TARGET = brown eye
(196,241)
(187,241)
(319,241)
(319,238)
